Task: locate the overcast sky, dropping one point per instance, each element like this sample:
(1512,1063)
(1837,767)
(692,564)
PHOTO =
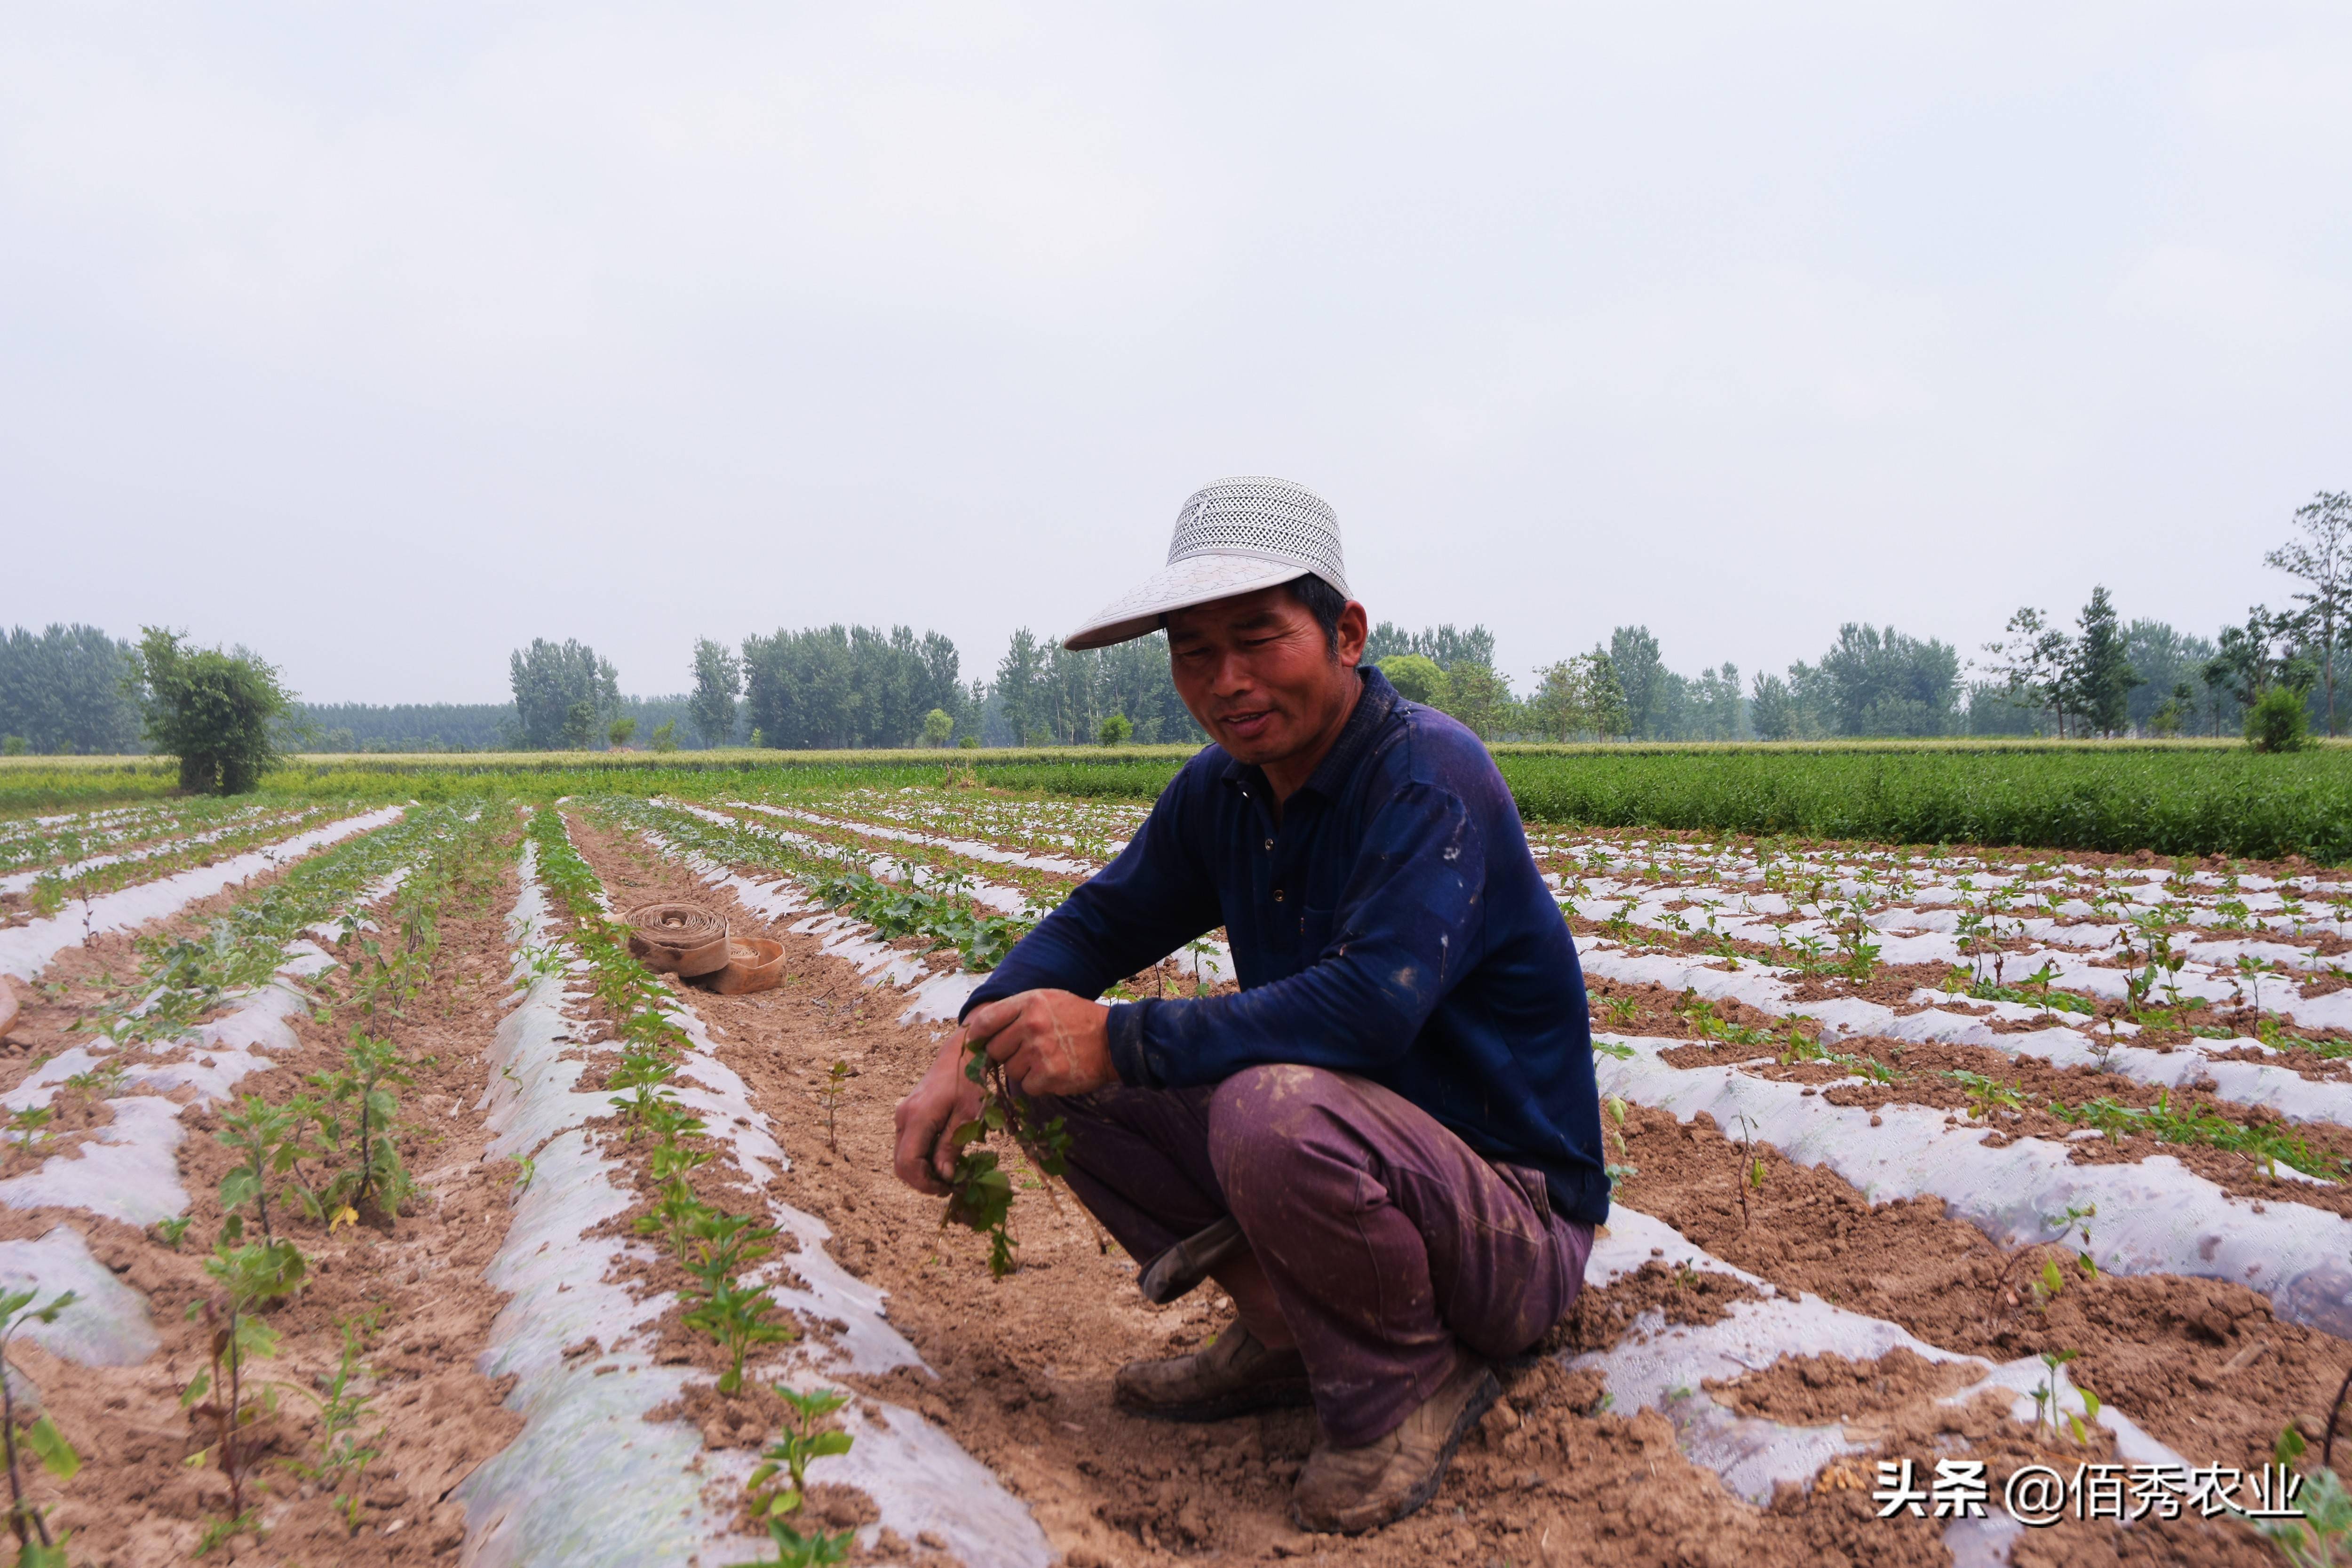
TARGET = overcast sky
(384,338)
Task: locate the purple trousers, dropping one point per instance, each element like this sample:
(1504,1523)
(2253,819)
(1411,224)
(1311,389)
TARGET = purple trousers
(1386,1239)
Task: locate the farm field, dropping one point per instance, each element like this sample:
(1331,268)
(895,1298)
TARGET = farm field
(411,1220)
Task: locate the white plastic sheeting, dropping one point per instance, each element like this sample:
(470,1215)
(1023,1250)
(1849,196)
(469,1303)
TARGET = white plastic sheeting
(590,1481)
(970,848)
(1661,1367)
(1770,990)
(130,1169)
(17,881)
(2155,1216)
(26,950)
(108,1323)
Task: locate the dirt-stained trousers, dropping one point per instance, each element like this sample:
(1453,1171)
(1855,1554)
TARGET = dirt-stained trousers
(1385,1238)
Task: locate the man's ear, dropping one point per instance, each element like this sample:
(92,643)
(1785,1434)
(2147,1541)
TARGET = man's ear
(1355,631)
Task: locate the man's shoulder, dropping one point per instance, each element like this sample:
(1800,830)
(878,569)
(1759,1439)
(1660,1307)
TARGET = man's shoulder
(1425,748)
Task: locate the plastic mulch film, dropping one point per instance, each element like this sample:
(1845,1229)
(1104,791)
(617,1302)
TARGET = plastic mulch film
(2154,1217)
(589,1480)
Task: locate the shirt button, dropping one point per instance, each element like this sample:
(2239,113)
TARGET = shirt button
(1277,895)
(1269,844)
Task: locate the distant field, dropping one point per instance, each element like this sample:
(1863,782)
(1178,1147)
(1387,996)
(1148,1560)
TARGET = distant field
(2176,797)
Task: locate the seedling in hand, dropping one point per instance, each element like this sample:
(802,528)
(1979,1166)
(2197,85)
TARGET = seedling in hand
(980,1192)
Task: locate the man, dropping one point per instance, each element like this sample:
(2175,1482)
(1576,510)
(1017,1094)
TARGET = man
(1387,1147)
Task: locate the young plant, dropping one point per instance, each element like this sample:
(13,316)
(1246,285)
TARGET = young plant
(2319,1535)
(269,1138)
(980,1193)
(249,1273)
(780,1485)
(1615,1106)
(29,1127)
(739,1316)
(357,1104)
(1751,1168)
(35,1548)
(343,1454)
(2045,1399)
(836,1084)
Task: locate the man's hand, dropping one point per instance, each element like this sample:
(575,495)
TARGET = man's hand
(943,1102)
(1051,1042)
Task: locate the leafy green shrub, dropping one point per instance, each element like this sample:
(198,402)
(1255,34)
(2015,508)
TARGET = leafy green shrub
(2278,721)
(219,714)
(1115,731)
(1417,677)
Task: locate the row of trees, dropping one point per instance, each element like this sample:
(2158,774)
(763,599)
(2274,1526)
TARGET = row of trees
(76,688)
(828,686)
(62,691)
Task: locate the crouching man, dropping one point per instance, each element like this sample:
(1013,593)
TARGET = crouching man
(1386,1148)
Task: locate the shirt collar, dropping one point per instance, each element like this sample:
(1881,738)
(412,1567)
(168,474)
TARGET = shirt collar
(1372,709)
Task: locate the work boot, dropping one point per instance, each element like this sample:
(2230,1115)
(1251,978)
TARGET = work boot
(1233,1377)
(1350,1490)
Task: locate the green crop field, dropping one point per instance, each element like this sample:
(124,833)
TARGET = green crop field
(2178,798)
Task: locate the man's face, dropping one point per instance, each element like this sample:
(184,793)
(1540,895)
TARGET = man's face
(1257,674)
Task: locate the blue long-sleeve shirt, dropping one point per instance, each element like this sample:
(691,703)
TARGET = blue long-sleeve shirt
(1393,926)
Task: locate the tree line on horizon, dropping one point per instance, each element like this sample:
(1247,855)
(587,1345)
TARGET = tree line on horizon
(75,689)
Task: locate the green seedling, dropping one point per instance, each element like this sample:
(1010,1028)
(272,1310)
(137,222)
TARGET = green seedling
(172,1230)
(980,1195)
(269,1138)
(2322,1536)
(217,1402)
(1987,1095)
(1801,1047)
(2045,1399)
(1621,1010)
(525,1169)
(2250,971)
(103,1082)
(1870,1067)
(355,1111)
(780,1485)
(343,1454)
(739,1318)
(673,1216)
(836,1084)
(29,1127)
(1615,1106)
(35,1548)
(1751,1168)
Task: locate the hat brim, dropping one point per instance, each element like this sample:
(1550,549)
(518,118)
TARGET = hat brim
(1179,585)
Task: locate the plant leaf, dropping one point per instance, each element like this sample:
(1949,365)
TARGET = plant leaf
(57,1454)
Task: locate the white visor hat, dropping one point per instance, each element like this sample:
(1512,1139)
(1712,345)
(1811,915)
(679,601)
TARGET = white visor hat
(1233,537)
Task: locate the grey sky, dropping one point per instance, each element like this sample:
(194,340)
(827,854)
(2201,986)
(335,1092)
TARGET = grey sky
(386,337)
